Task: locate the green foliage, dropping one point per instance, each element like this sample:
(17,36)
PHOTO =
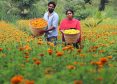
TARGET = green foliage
(8,11)
(96,20)
(11,10)
(78,7)
(15,9)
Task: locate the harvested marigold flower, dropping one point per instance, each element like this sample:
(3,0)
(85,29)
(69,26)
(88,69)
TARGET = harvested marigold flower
(38,23)
(78,82)
(16,79)
(59,54)
(70,67)
(71,31)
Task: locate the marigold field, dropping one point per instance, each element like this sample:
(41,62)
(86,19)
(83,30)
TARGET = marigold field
(28,60)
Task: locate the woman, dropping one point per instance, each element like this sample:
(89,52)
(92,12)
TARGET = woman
(70,22)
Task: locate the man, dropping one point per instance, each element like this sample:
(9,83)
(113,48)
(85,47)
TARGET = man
(52,18)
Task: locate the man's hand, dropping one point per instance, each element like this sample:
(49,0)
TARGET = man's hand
(42,32)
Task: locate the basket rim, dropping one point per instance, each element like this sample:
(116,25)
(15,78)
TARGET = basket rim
(72,34)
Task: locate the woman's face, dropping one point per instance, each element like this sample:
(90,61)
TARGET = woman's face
(69,15)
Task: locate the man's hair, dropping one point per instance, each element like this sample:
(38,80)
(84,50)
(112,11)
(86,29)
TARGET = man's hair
(52,2)
(70,11)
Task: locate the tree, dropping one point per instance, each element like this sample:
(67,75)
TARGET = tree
(88,1)
(102,5)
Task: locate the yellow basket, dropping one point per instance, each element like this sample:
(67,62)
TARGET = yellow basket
(71,38)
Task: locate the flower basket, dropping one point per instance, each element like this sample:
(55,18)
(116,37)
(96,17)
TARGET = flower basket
(71,35)
(37,25)
(71,38)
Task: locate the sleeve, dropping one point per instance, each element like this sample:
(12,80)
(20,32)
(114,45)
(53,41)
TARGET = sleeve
(61,25)
(55,21)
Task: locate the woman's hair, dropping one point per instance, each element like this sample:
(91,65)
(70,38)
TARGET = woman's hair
(70,11)
(52,2)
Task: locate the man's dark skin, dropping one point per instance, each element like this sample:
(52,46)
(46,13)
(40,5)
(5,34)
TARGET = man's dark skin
(50,10)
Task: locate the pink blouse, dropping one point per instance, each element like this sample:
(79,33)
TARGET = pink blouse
(67,24)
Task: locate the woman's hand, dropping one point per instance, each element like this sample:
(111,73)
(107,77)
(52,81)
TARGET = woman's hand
(62,31)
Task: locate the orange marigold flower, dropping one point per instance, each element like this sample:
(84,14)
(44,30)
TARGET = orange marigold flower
(78,82)
(50,51)
(65,48)
(70,67)
(26,56)
(41,54)
(34,59)
(75,63)
(50,44)
(26,53)
(100,78)
(101,51)
(98,63)
(27,60)
(29,82)
(1,49)
(59,54)
(100,66)
(82,55)
(37,62)
(16,79)
(40,42)
(27,47)
(109,57)
(103,60)
(93,63)
(21,48)
(79,50)
(38,23)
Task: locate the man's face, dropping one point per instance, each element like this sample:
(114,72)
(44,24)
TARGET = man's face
(51,8)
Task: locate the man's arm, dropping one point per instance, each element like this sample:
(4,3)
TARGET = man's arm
(51,28)
(54,23)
